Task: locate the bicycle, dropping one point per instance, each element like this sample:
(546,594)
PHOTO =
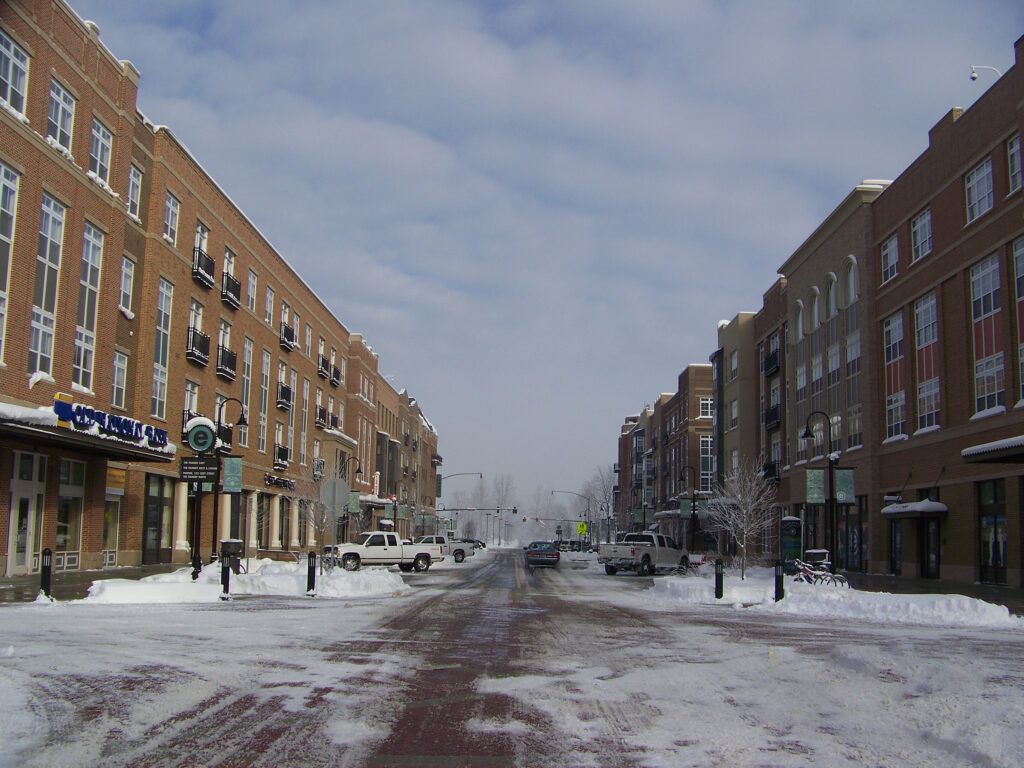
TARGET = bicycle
(818,573)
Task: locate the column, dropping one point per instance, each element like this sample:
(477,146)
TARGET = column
(179,524)
(224,517)
(250,522)
(293,517)
(275,522)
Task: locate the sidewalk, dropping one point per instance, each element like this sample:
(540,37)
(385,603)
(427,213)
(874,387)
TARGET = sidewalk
(1011,597)
(74,585)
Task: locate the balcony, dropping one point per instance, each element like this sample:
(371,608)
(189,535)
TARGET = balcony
(224,434)
(771,471)
(415,445)
(318,470)
(186,414)
(405,471)
(288,341)
(414,473)
(334,421)
(321,417)
(323,368)
(226,363)
(772,417)
(436,460)
(771,363)
(280,457)
(230,291)
(284,397)
(198,346)
(335,376)
(615,468)
(203,268)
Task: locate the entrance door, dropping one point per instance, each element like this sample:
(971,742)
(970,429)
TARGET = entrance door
(28,484)
(111,515)
(929,548)
(896,547)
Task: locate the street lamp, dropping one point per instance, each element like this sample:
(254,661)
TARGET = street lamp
(830,509)
(976,67)
(216,482)
(582,496)
(693,505)
(343,475)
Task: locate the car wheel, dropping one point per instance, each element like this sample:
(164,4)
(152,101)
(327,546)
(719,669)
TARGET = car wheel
(644,569)
(684,564)
(611,570)
(405,567)
(459,556)
(350,562)
(421,563)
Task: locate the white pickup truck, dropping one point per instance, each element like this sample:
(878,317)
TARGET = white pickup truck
(383,548)
(644,553)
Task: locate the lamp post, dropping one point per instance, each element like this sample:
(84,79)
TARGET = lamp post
(343,475)
(216,483)
(693,504)
(582,496)
(830,508)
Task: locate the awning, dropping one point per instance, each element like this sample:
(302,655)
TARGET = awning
(925,508)
(119,450)
(1008,451)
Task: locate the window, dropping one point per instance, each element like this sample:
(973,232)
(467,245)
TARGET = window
(734,364)
(978,190)
(158,400)
(171,219)
(195,315)
(921,236)
(44,304)
(261,435)
(988,383)
(707,407)
(890,258)
(926,324)
(1013,162)
(99,151)
(69,512)
(892,332)
(88,292)
(734,413)
(309,338)
(928,404)
(985,298)
(13,74)
(60,117)
(268,307)
(707,463)
(250,296)
(1018,266)
(134,191)
(127,283)
(191,404)
(229,262)
(831,304)
(895,415)
(120,379)
(852,291)
(247,347)
(8,204)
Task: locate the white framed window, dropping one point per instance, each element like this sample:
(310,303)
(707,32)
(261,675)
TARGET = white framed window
(8,205)
(250,295)
(921,235)
(890,259)
(926,321)
(1013,162)
(734,413)
(60,117)
(892,337)
(831,303)
(195,315)
(171,207)
(13,74)
(309,339)
(229,262)
(99,151)
(707,407)
(303,421)
(127,283)
(852,290)
(978,190)
(989,383)
(247,349)
(88,294)
(44,305)
(191,403)
(261,435)
(895,415)
(928,404)
(734,364)
(985,288)
(707,463)
(1018,267)
(268,306)
(164,300)
(134,190)
(120,379)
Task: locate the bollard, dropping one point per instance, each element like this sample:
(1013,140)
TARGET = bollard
(225,577)
(197,565)
(780,588)
(311,574)
(46,571)
(719,578)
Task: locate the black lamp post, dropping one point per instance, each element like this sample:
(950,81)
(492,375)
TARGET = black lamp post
(582,496)
(216,483)
(693,505)
(343,474)
(830,508)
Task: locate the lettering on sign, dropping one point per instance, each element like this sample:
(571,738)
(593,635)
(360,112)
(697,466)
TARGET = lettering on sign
(128,429)
(278,482)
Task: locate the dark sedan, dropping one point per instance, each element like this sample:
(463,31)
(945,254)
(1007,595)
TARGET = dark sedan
(542,553)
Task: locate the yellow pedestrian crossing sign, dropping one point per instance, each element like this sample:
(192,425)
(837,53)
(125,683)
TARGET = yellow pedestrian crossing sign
(581,528)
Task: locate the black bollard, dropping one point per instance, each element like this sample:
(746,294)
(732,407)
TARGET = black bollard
(46,571)
(780,588)
(225,578)
(311,574)
(719,578)
(197,565)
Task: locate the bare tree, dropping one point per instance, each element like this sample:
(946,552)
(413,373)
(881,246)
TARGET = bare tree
(479,497)
(742,506)
(599,488)
(504,490)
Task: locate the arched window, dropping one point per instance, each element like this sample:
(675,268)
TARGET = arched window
(831,305)
(798,320)
(815,310)
(852,291)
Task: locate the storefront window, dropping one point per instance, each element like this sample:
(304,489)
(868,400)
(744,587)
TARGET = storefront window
(992,531)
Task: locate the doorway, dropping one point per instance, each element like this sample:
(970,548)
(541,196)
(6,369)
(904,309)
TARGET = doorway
(28,488)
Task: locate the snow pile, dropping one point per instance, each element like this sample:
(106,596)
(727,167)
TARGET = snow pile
(265,577)
(757,592)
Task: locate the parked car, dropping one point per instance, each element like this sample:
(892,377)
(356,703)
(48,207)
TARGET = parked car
(542,553)
(475,543)
(382,548)
(453,547)
(643,553)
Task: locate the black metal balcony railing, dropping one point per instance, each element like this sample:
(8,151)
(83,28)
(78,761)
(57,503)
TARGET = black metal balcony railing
(198,346)
(771,470)
(321,417)
(281,457)
(323,368)
(772,417)
(334,421)
(226,363)
(225,433)
(288,337)
(771,363)
(335,376)
(203,268)
(413,475)
(230,291)
(415,445)
(284,397)
(615,468)
(186,414)
(405,471)
(406,440)
(318,470)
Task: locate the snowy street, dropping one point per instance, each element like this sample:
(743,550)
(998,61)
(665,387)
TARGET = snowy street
(489,663)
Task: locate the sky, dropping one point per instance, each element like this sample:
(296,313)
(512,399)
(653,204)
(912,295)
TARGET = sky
(862,678)
(537,213)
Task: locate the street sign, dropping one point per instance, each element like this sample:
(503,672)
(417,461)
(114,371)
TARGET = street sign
(199,469)
(581,528)
(200,437)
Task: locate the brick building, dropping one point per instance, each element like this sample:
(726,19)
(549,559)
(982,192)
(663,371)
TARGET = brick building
(135,297)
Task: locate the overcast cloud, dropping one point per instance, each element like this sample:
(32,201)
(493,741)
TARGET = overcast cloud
(536,212)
